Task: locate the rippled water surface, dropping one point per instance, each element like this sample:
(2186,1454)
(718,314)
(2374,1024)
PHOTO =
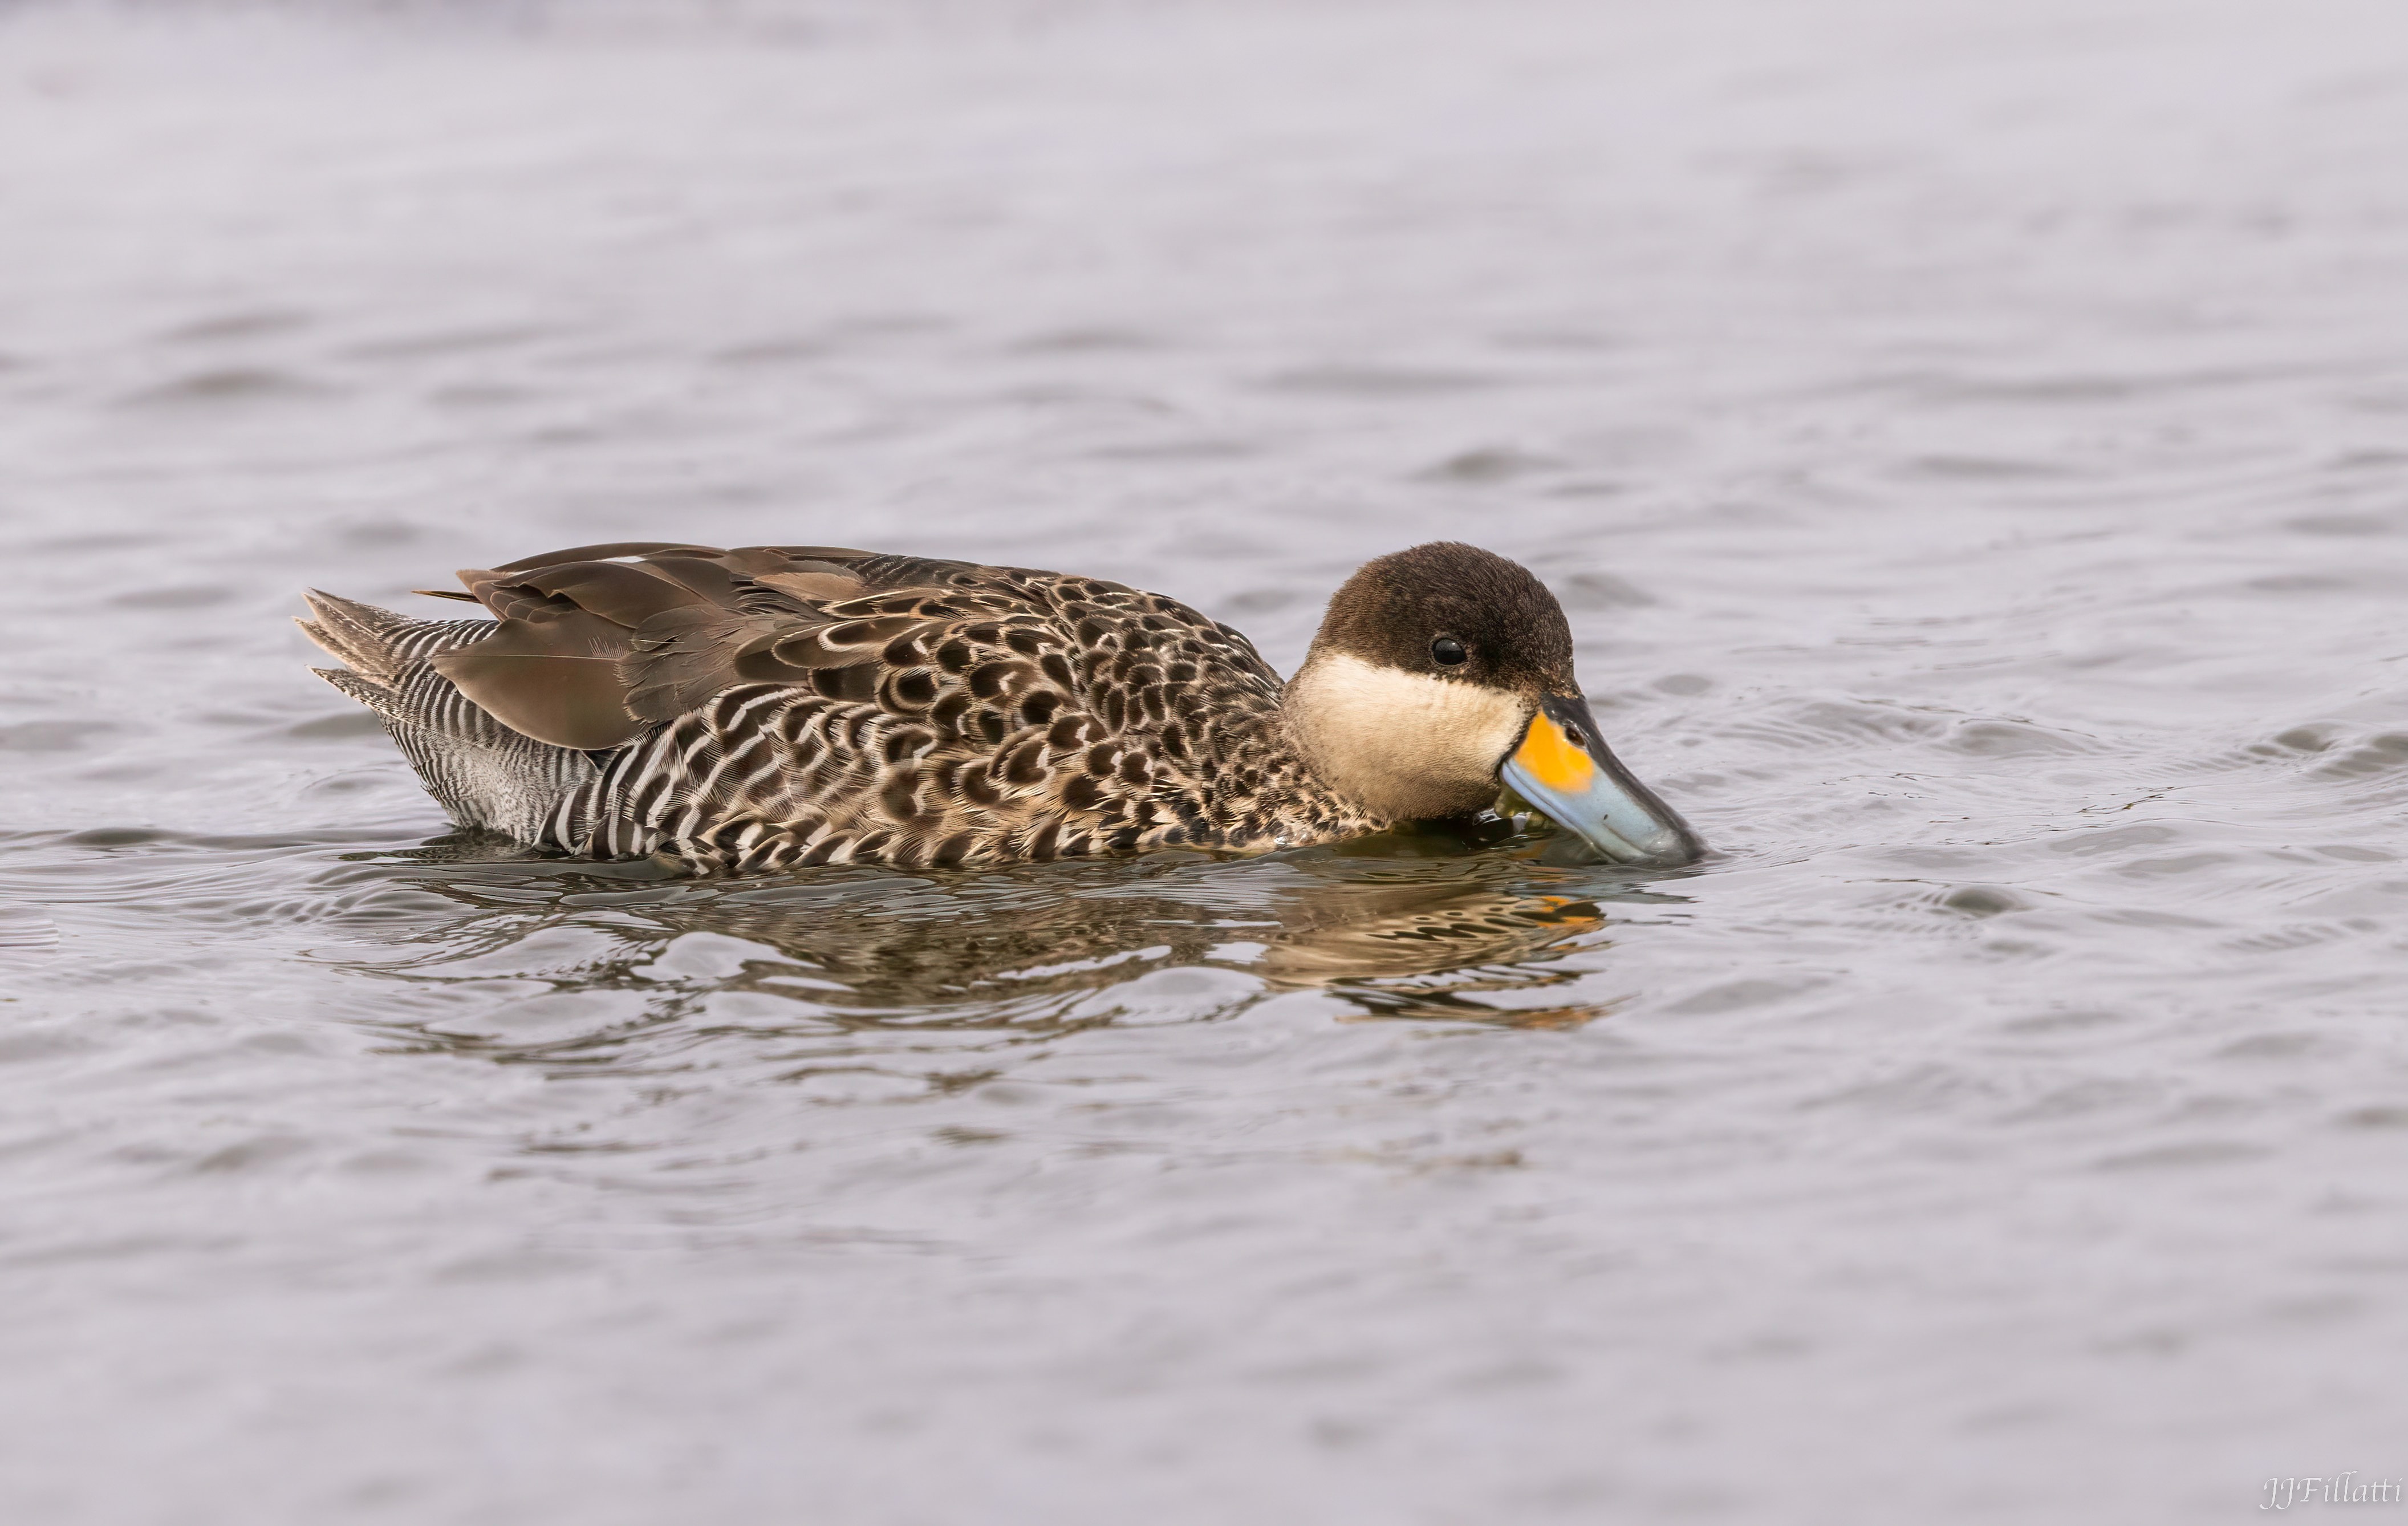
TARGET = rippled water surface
(1971,442)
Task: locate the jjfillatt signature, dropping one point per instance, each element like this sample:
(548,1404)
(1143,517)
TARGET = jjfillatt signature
(2335,1488)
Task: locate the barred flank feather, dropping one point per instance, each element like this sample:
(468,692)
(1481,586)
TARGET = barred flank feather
(484,773)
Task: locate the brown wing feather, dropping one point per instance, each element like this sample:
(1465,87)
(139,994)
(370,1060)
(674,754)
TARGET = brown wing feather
(556,680)
(610,551)
(599,643)
(624,592)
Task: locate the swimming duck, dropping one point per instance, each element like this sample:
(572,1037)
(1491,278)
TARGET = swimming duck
(749,710)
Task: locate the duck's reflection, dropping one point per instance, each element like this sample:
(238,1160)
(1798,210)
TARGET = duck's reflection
(1434,926)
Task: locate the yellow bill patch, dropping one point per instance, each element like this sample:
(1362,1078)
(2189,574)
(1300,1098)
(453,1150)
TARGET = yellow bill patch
(1552,761)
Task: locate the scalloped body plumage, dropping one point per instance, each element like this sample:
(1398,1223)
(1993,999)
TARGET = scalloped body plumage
(772,706)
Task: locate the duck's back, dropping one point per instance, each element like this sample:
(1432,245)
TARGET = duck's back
(770,705)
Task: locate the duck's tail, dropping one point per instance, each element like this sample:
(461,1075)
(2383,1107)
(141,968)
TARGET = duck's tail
(484,773)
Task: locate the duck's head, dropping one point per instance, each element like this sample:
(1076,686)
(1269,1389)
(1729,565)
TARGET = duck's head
(1442,674)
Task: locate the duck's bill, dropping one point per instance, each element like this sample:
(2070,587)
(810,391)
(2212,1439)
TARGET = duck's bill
(1564,768)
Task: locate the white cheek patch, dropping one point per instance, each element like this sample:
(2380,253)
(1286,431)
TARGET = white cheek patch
(1405,744)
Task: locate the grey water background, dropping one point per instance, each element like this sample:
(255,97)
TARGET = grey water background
(1971,442)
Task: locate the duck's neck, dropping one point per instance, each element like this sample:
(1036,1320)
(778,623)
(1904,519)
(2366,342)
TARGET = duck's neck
(1397,745)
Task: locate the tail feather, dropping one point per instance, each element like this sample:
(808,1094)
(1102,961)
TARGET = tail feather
(484,773)
(366,690)
(378,642)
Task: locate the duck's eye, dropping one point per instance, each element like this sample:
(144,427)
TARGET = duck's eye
(1447,651)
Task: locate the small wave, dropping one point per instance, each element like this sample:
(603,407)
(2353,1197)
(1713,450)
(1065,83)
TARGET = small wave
(468,340)
(26,933)
(1093,340)
(2376,754)
(1487,465)
(236,328)
(1807,725)
(187,596)
(52,736)
(1999,737)
(230,386)
(1377,382)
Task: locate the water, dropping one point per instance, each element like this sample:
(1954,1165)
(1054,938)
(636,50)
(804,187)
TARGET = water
(1973,445)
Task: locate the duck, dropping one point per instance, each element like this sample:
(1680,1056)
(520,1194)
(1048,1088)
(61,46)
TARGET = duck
(766,708)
